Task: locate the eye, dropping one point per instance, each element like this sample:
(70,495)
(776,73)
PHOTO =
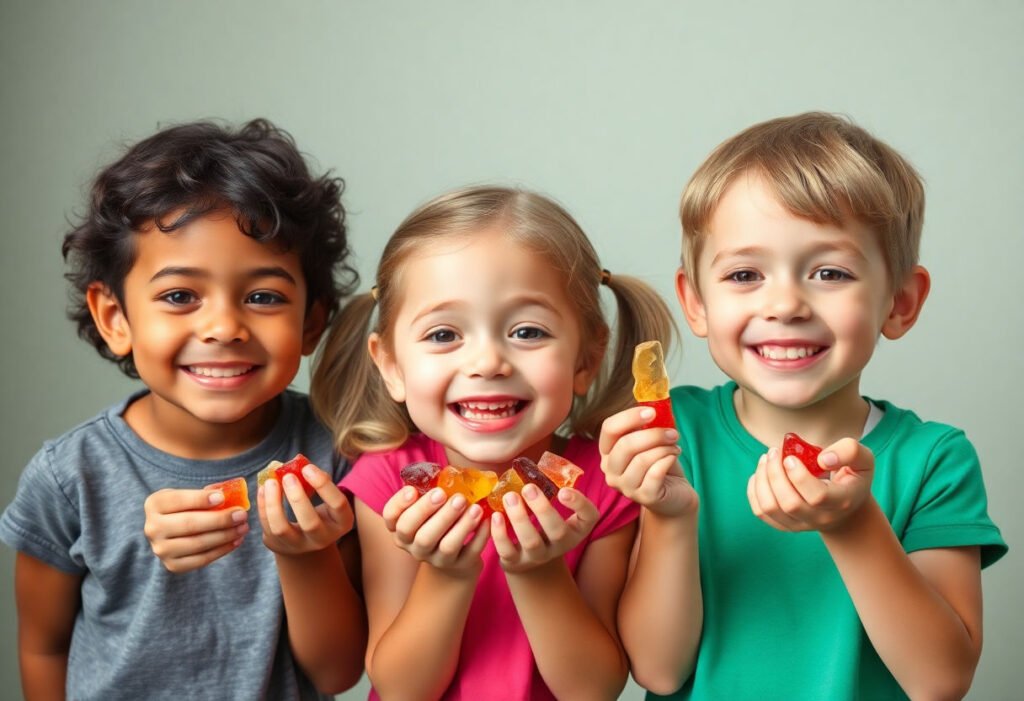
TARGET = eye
(831,275)
(528,333)
(441,336)
(263,297)
(743,276)
(178,298)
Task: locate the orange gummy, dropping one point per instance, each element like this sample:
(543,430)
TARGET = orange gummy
(508,482)
(559,470)
(469,482)
(235,491)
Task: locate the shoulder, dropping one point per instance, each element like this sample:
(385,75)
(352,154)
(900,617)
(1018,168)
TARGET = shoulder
(375,475)
(902,432)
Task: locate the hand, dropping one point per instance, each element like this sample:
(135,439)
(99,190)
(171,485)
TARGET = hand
(186,531)
(437,530)
(788,497)
(555,536)
(642,463)
(315,528)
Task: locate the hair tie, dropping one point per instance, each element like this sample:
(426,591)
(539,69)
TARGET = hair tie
(373,293)
(605,276)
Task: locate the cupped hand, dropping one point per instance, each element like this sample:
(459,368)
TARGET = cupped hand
(785,495)
(550,538)
(187,530)
(447,533)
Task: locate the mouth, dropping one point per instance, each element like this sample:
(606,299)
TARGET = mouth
(220,371)
(488,410)
(777,352)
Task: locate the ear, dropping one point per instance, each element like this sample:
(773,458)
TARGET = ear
(387,366)
(313,327)
(109,318)
(693,306)
(907,303)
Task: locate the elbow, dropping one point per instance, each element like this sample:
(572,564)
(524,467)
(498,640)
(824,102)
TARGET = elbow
(335,679)
(662,681)
(948,687)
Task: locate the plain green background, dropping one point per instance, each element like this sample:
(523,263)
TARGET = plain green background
(607,106)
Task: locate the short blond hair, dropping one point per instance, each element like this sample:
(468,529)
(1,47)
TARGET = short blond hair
(822,167)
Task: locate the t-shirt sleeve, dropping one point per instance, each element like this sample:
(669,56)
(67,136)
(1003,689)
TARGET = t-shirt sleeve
(951,509)
(373,479)
(616,511)
(43,520)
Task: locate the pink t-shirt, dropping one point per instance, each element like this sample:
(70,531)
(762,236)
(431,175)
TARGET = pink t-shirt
(496,661)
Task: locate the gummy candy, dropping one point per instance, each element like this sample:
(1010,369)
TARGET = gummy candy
(470,483)
(508,482)
(236,493)
(278,470)
(559,470)
(650,383)
(529,473)
(422,475)
(805,452)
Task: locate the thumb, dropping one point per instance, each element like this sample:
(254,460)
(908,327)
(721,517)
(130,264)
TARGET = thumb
(847,452)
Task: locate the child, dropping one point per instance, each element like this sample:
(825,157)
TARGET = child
(800,248)
(489,323)
(204,267)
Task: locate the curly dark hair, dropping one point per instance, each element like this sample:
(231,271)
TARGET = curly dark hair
(193,169)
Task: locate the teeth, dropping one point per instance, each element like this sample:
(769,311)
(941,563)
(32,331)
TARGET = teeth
(488,410)
(787,353)
(218,372)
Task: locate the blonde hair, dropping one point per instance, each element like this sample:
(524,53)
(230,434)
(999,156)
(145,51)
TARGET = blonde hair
(821,167)
(348,393)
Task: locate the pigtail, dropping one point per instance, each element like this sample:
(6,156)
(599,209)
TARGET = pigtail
(347,391)
(642,315)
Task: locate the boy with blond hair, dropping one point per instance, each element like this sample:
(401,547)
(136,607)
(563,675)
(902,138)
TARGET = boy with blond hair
(800,248)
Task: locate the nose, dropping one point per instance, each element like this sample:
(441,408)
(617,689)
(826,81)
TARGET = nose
(784,301)
(486,358)
(222,322)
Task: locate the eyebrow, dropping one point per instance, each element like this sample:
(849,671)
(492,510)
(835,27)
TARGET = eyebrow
(823,247)
(255,273)
(526,300)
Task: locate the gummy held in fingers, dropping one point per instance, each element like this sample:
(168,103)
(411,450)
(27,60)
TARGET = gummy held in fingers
(530,474)
(559,470)
(278,470)
(421,475)
(235,491)
(805,452)
(650,383)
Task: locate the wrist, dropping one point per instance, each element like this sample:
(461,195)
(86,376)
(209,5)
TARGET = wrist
(855,522)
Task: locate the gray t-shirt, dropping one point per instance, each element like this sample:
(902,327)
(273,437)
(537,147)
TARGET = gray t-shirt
(143,632)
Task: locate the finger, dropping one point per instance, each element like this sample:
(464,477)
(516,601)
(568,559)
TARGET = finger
(428,536)
(396,506)
(412,520)
(325,487)
(618,425)
(653,484)
(170,501)
(503,544)
(178,548)
(585,513)
(479,540)
(552,525)
(519,519)
(635,474)
(847,452)
(191,523)
(277,521)
(811,490)
(628,448)
(305,515)
(778,476)
(770,476)
(198,560)
(453,541)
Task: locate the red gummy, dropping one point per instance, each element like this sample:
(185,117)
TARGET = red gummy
(805,452)
(529,473)
(662,413)
(235,491)
(421,475)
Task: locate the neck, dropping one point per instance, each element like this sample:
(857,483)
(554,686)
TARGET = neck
(841,414)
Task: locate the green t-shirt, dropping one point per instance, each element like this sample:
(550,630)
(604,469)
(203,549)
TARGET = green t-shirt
(778,622)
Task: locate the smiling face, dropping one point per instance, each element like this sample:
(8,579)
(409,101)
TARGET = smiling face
(792,309)
(217,326)
(484,350)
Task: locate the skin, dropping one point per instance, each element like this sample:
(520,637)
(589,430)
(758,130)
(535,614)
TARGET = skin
(792,310)
(203,300)
(489,323)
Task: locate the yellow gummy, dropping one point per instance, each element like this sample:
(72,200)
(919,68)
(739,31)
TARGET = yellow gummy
(650,379)
(470,483)
(268,472)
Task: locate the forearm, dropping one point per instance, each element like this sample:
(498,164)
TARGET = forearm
(43,675)
(417,655)
(577,655)
(326,619)
(919,636)
(661,612)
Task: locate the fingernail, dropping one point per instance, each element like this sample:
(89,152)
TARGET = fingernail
(671,434)
(237,542)
(239,516)
(531,492)
(565,495)
(647,413)
(309,472)
(475,511)
(409,494)
(290,481)
(496,518)
(243,529)
(791,463)
(437,496)
(511,499)
(772,452)
(458,502)
(216,497)
(829,459)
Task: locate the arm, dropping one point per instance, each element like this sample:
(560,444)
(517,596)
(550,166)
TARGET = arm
(922,612)
(419,593)
(48,601)
(570,623)
(326,620)
(661,613)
